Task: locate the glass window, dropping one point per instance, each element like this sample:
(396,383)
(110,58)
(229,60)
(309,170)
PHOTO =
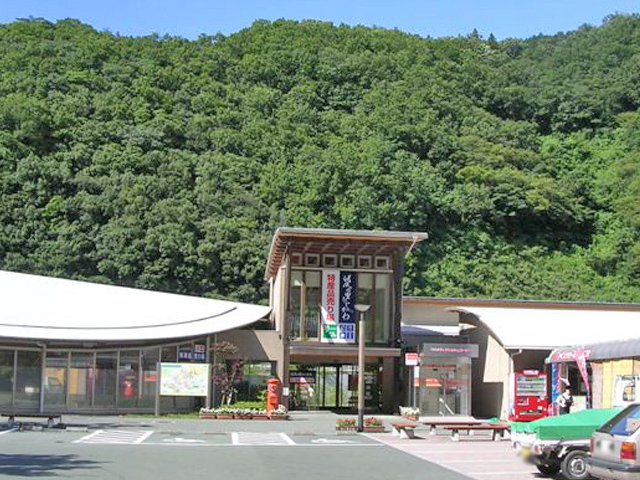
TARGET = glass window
(169,354)
(149,376)
(295,299)
(28,378)
(105,384)
(252,380)
(364,296)
(383,308)
(55,381)
(128,378)
(80,379)
(312,304)
(6,376)
(625,423)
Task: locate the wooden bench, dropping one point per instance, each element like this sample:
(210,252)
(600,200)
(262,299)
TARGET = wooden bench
(404,430)
(497,430)
(433,425)
(49,416)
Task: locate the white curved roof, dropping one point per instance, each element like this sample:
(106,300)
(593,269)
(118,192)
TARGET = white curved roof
(46,308)
(534,328)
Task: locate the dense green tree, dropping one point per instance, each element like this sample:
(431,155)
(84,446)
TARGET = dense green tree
(164,163)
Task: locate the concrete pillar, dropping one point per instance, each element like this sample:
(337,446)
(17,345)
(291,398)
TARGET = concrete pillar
(388,385)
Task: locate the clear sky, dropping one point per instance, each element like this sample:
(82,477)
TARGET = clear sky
(189,18)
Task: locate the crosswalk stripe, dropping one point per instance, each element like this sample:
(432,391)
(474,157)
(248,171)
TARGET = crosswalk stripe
(121,437)
(255,438)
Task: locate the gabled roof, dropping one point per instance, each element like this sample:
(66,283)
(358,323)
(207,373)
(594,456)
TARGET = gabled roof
(364,242)
(46,308)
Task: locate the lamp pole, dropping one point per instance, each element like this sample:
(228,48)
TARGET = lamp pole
(362,309)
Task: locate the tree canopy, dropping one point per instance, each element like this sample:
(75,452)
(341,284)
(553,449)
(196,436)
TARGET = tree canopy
(163,163)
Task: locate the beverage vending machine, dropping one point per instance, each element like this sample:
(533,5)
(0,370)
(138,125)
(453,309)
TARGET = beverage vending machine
(529,400)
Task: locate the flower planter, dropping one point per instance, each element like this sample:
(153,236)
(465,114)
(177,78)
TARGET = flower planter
(207,415)
(244,417)
(379,429)
(278,416)
(225,416)
(261,416)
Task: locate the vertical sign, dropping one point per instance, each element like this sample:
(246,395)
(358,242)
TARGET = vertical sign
(347,320)
(328,308)
(338,307)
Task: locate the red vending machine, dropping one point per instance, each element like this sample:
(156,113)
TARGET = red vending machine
(529,400)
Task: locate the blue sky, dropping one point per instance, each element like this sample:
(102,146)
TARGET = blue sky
(189,18)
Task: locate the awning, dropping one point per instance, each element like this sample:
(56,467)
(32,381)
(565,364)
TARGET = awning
(598,351)
(45,308)
(538,328)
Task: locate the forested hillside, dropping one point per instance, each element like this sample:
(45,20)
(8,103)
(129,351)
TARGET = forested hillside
(164,163)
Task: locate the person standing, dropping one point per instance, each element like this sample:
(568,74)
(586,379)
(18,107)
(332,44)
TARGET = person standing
(565,401)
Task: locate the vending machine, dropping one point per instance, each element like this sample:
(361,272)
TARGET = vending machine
(529,400)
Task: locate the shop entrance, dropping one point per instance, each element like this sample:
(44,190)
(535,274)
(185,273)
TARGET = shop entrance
(333,387)
(445,387)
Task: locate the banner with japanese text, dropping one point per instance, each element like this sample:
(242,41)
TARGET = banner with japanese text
(338,307)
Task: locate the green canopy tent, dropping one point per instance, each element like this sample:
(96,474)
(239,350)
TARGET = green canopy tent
(581,424)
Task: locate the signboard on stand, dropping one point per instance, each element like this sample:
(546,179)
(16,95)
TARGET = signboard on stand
(338,307)
(184,379)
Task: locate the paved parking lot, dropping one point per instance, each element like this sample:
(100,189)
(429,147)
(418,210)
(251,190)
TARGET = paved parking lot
(475,456)
(128,448)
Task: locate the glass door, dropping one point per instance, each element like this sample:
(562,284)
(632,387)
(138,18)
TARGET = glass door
(445,386)
(55,381)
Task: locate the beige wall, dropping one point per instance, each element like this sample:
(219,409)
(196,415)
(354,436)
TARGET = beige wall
(490,376)
(258,345)
(419,314)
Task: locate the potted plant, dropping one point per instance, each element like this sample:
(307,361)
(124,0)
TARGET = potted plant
(373,425)
(410,413)
(260,414)
(279,413)
(224,413)
(345,424)
(244,414)
(207,413)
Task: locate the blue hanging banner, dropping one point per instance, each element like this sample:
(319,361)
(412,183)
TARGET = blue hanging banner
(347,297)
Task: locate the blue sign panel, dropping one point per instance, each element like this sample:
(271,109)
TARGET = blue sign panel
(347,298)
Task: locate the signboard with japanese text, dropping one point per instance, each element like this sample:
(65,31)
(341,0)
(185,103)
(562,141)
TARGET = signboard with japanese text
(184,379)
(338,307)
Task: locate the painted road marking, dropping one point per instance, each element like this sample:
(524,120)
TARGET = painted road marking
(116,437)
(336,441)
(182,440)
(254,438)
(4,432)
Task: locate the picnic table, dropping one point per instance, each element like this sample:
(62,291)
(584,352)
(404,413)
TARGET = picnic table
(51,417)
(497,430)
(404,430)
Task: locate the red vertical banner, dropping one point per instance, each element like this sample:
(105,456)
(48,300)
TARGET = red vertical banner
(581,361)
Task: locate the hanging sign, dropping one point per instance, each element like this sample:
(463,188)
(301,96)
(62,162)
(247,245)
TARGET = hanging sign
(338,307)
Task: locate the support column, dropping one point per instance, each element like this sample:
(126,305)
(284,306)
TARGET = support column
(43,378)
(388,385)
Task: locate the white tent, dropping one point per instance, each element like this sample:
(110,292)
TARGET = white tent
(538,328)
(36,307)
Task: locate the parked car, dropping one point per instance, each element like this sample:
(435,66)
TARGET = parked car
(560,444)
(615,445)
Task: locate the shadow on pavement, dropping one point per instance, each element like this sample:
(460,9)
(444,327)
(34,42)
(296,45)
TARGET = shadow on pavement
(25,465)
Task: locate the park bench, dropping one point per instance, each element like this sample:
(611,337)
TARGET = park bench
(434,424)
(49,416)
(497,430)
(404,430)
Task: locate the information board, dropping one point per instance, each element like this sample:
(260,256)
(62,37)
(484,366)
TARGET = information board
(184,379)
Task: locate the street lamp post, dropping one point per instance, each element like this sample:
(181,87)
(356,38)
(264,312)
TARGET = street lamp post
(361,309)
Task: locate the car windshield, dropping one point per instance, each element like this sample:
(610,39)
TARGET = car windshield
(625,423)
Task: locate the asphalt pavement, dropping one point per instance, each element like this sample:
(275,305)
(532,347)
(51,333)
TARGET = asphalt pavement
(132,448)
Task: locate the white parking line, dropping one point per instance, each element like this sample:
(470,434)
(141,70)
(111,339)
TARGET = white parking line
(4,432)
(116,437)
(286,438)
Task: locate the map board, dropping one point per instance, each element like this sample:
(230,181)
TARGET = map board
(184,379)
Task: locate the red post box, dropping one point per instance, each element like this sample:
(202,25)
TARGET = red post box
(273,394)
